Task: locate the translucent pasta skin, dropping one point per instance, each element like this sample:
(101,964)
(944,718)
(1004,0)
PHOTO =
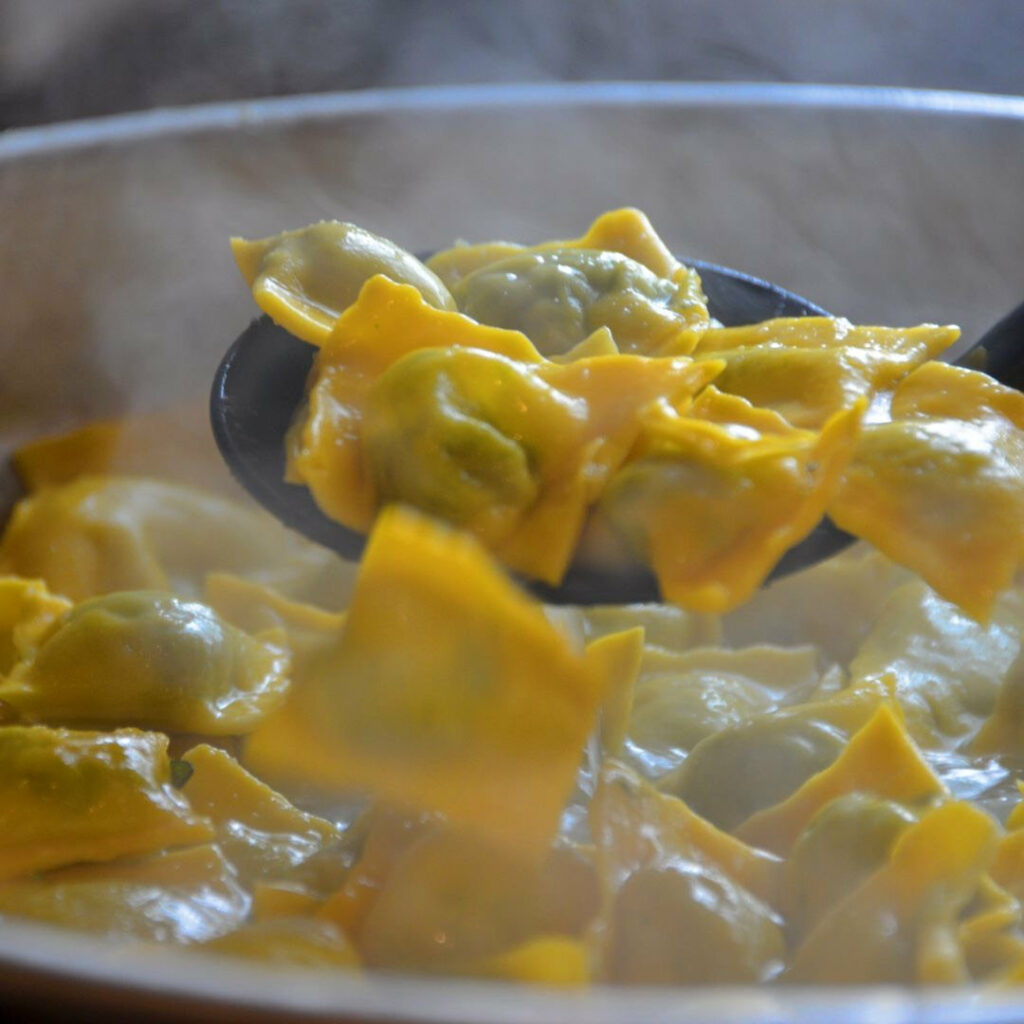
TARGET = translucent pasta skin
(576,404)
(216,736)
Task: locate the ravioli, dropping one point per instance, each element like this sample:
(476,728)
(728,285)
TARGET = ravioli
(941,487)
(149,659)
(681,903)
(306,279)
(680,698)
(453,264)
(560,297)
(745,768)
(879,759)
(625,232)
(97,535)
(946,668)
(890,929)
(480,713)
(470,423)
(555,417)
(808,368)
(259,831)
(801,782)
(712,511)
(68,797)
(847,840)
(180,897)
(388,322)
(452,901)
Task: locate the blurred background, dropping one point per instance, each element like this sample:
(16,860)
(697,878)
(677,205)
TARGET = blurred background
(63,59)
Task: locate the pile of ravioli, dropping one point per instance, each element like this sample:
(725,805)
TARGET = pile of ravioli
(216,735)
(574,400)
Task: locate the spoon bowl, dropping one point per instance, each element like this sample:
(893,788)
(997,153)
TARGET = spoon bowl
(262,380)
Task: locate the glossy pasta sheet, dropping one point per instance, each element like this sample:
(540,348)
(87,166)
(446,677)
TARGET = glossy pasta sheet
(218,736)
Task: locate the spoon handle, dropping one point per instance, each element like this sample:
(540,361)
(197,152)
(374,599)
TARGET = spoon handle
(1000,350)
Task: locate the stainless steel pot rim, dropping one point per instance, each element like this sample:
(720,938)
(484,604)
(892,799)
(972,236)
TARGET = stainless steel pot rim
(281,111)
(204,986)
(52,961)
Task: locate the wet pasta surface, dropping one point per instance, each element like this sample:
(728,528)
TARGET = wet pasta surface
(215,734)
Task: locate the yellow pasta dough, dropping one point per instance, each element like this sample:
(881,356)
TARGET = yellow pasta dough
(85,796)
(416,767)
